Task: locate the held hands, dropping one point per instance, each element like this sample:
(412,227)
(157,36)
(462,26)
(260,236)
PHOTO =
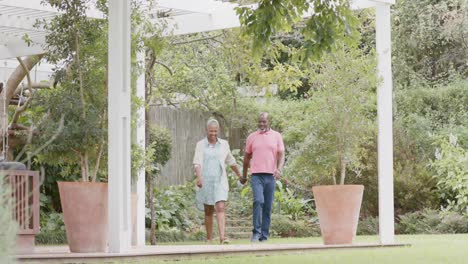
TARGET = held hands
(242,179)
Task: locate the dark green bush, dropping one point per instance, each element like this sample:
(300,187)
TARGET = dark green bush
(283,226)
(368,226)
(453,223)
(51,237)
(421,222)
(432,222)
(168,236)
(52,229)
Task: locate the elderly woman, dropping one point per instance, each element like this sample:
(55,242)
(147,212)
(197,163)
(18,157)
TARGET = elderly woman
(211,156)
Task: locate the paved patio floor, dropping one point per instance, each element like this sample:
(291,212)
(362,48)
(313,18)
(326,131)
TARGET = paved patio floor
(61,254)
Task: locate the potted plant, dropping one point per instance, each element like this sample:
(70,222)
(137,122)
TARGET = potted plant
(338,120)
(78,101)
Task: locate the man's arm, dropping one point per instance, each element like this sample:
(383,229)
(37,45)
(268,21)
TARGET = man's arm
(247,158)
(279,167)
(280,158)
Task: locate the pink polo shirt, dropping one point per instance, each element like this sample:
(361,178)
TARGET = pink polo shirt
(264,148)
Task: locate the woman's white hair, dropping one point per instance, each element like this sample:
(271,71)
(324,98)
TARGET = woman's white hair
(212,121)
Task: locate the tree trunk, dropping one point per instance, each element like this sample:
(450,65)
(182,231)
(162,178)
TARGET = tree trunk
(342,171)
(149,176)
(84,166)
(98,161)
(9,89)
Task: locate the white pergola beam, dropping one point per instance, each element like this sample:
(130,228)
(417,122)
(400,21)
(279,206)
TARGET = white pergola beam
(38,6)
(198,22)
(198,6)
(19,48)
(19,22)
(385,124)
(28,4)
(389,2)
(119,126)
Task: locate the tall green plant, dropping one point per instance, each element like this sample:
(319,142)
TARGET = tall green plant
(78,46)
(338,118)
(158,153)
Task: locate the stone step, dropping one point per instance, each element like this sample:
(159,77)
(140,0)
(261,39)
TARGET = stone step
(239,235)
(238,228)
(238,223)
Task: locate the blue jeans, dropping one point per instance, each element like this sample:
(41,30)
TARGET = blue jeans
(263,188)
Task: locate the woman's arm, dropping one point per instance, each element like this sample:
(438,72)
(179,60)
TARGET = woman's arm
(197,161)
(198,174)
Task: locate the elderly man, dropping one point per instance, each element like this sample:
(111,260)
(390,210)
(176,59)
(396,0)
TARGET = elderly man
(264,154)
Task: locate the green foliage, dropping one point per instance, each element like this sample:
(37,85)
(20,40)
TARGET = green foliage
(56,237)
(438,110)
(78,46)
(453,223)
(158,152)
(283,226)
(330,128)
(451,172)
(7,226)
(202,72)
(52,229)
(164,236)
(429,41)
(175,208)
(52,222)
(368,226)
(330,22)
(288,203)
(78,134)
(432,222)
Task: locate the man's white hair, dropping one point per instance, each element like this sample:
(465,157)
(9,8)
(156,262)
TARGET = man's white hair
(212,121)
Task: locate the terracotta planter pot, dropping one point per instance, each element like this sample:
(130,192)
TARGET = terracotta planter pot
(338,209)
(84,206)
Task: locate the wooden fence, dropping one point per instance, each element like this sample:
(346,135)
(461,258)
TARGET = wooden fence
(187,127)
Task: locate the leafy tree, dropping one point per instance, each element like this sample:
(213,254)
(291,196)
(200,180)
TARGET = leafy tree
(329,23)
(427,113)
(429,41)
(337,120)
(78,45)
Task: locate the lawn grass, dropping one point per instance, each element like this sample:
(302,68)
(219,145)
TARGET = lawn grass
(423,249)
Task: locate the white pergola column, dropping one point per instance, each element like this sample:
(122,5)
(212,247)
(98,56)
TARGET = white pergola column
(140,137)
(385,124)
(119,94)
